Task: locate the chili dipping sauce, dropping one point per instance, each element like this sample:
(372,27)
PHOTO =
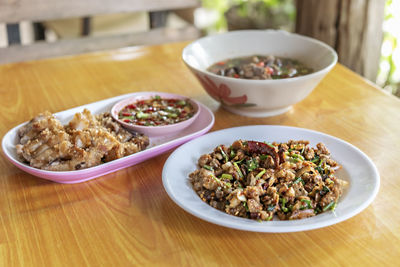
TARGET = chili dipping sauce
(157,111)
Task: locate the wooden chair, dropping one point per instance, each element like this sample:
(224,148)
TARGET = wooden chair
(12,12)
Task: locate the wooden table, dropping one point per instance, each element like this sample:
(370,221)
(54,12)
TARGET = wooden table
(126,218)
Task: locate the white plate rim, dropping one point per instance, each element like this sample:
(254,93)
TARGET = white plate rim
(275,226)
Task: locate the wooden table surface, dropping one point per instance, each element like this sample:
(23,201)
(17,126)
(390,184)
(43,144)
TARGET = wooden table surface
(126,218)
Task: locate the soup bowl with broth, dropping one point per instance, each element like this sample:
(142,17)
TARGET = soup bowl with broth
(259,73)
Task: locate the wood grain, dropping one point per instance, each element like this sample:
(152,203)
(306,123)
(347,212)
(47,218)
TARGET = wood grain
(126,218)
(12,11)
(352,27)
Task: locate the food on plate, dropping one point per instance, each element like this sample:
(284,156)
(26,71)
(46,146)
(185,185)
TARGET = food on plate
(258,180)
(260,68)
(157,111)
(86,141)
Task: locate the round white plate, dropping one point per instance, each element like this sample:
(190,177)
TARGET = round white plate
(358,170)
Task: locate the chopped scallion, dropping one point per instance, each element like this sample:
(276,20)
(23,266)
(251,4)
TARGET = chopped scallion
(325,189)
(269,144)
(297,156)
(284,209)
(315,159)
(251,164)
(308,203)
(331,206)
(298,180)
(238,170)
(271,208)
(260,174)
(208,167)
(172,115)
(223,154)
(141,115)
(227,176)
(181,103)
(232,154)
(245,205)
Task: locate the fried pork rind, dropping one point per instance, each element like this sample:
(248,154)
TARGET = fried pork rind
(85,142)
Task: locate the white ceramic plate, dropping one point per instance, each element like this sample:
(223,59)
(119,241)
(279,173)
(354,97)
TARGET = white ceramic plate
(358,169)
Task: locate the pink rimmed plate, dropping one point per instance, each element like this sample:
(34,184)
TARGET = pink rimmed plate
(155,130)
(158,145)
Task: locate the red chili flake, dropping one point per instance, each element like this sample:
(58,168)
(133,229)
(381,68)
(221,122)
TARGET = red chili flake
(262,148)
(140,102)
(126,114)
(131,106)
(269,70)
(127,121)
(221,63)
(236,75)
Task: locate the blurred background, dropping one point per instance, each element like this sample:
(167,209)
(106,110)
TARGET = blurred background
(365,33)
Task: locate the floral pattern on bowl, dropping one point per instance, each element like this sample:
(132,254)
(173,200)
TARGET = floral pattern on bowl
(258,98)
(222,93)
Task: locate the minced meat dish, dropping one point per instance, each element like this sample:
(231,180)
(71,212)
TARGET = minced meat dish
(258,180)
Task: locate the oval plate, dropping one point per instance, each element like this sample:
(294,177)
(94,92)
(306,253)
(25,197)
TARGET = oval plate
(358,170)
(158,145)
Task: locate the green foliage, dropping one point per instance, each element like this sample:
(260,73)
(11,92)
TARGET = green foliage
(389,63)
(222,6)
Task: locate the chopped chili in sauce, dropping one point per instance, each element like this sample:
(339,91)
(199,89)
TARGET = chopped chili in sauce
(157,111)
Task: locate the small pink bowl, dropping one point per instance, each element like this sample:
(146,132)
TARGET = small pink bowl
(154,130)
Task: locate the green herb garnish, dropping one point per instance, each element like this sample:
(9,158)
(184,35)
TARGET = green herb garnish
(208,167)
(284,209)
(223,154)
(141,115)
(238,170)
(245,206)
(260,174)
(315,159)
(331,206)
(227,176)
(271,208)
(251,164)
(298,180)
(308,203)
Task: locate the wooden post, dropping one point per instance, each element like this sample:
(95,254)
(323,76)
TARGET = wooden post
(13,33)
(158,19)
(352,27)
